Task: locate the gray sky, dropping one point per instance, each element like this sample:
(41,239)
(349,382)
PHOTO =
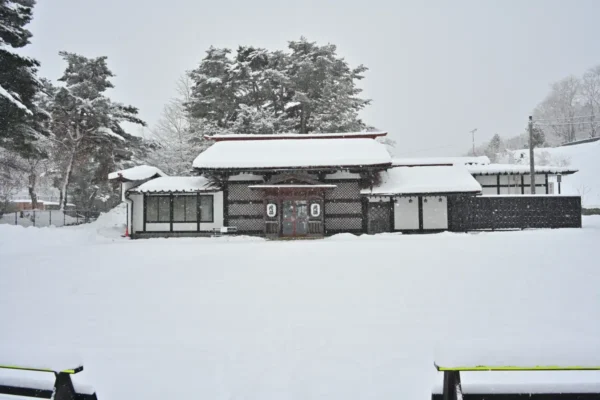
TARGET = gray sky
(437,68)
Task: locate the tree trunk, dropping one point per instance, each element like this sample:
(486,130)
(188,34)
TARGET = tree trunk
(593,122)
(31,188)
(66,179)
(303,120)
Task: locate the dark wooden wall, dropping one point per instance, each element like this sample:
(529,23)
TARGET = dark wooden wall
(343,207)
(244,208)
(513,212)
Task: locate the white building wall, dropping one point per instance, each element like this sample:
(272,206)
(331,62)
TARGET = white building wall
(406,213)
(435,212)
(137,216)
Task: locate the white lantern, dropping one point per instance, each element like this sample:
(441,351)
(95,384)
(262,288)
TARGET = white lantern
(315,210)
(271,210)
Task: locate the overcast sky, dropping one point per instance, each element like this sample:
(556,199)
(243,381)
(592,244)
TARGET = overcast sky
(438,69)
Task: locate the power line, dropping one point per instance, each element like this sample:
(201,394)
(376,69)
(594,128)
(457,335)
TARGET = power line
(569,123)
(565,118)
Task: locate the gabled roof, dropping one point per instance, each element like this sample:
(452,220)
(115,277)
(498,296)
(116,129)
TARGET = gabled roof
(168,184)
(300,136)
(289,154)
(425,180)
(517,169)
(139,173)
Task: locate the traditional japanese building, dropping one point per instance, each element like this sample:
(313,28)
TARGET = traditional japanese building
(312,185)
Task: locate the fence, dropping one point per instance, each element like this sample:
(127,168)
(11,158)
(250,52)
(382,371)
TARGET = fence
(514,212)
(43,218)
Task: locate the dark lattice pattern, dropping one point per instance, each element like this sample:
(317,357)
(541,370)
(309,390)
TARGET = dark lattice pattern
(315,227)
(272,227)
(244,225)
(379,217)
(256,208)
(518,212)
(343,208)
(344,190)
(343,223)
(241,192)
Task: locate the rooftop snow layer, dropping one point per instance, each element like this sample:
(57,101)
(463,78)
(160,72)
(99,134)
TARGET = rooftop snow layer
(481,160)
(413,180)
(517,169)
(289,154)
(139,173)
(348,135)
(176,184)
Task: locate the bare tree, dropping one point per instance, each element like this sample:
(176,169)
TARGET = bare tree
(560,108)
(177,135)
(590,91)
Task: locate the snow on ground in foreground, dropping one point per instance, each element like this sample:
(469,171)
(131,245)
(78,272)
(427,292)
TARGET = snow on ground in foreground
(341,318)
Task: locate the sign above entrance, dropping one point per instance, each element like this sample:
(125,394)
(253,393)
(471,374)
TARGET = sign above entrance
(315,210)
(271,210)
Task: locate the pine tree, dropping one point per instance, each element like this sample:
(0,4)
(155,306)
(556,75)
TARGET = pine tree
(18,83)
(309,89)
(86,123)
(325,92)
(494,147)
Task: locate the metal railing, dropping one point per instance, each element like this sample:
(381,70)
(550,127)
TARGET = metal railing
(45,218)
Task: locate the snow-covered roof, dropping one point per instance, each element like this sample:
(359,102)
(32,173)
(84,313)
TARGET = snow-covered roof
(291,154)
(176,184)
(139,173)
(481,160)
(292,186)
(517,169)
(45,202)
(281,136)
(415,180)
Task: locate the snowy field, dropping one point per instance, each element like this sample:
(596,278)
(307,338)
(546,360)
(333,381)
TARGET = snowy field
(341,318)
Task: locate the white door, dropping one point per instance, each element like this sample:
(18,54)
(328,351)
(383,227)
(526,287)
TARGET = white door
(435,212)
(406,213)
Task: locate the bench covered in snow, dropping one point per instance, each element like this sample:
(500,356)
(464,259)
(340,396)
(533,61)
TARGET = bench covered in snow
(58,387)
(574,389)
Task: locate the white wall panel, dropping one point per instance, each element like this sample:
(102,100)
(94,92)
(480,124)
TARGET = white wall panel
(137,216)
(435,212)
(406,213)
(486,179)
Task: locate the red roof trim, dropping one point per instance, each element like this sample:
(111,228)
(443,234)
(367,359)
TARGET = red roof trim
(298,136)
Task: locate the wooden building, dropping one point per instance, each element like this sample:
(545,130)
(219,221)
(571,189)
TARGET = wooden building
(312,185)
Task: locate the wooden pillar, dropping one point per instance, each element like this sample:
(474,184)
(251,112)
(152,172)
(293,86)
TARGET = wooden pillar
(452,388)
(63,387)
(420,200)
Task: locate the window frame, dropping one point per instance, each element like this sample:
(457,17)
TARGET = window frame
(212,208)
(185,206)
(157,198)
(171,196)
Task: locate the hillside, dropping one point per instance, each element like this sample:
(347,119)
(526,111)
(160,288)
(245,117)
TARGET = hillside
(585,157)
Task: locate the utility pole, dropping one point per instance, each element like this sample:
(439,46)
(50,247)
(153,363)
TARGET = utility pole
(531,156)
(473,135)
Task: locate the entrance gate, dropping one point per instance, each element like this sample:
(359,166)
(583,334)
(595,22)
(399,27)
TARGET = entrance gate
(294,220)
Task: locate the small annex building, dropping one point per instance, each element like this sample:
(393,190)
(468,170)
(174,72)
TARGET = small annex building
(314,185)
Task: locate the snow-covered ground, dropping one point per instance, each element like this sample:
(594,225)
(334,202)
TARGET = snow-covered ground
(341,318)
(585,157)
